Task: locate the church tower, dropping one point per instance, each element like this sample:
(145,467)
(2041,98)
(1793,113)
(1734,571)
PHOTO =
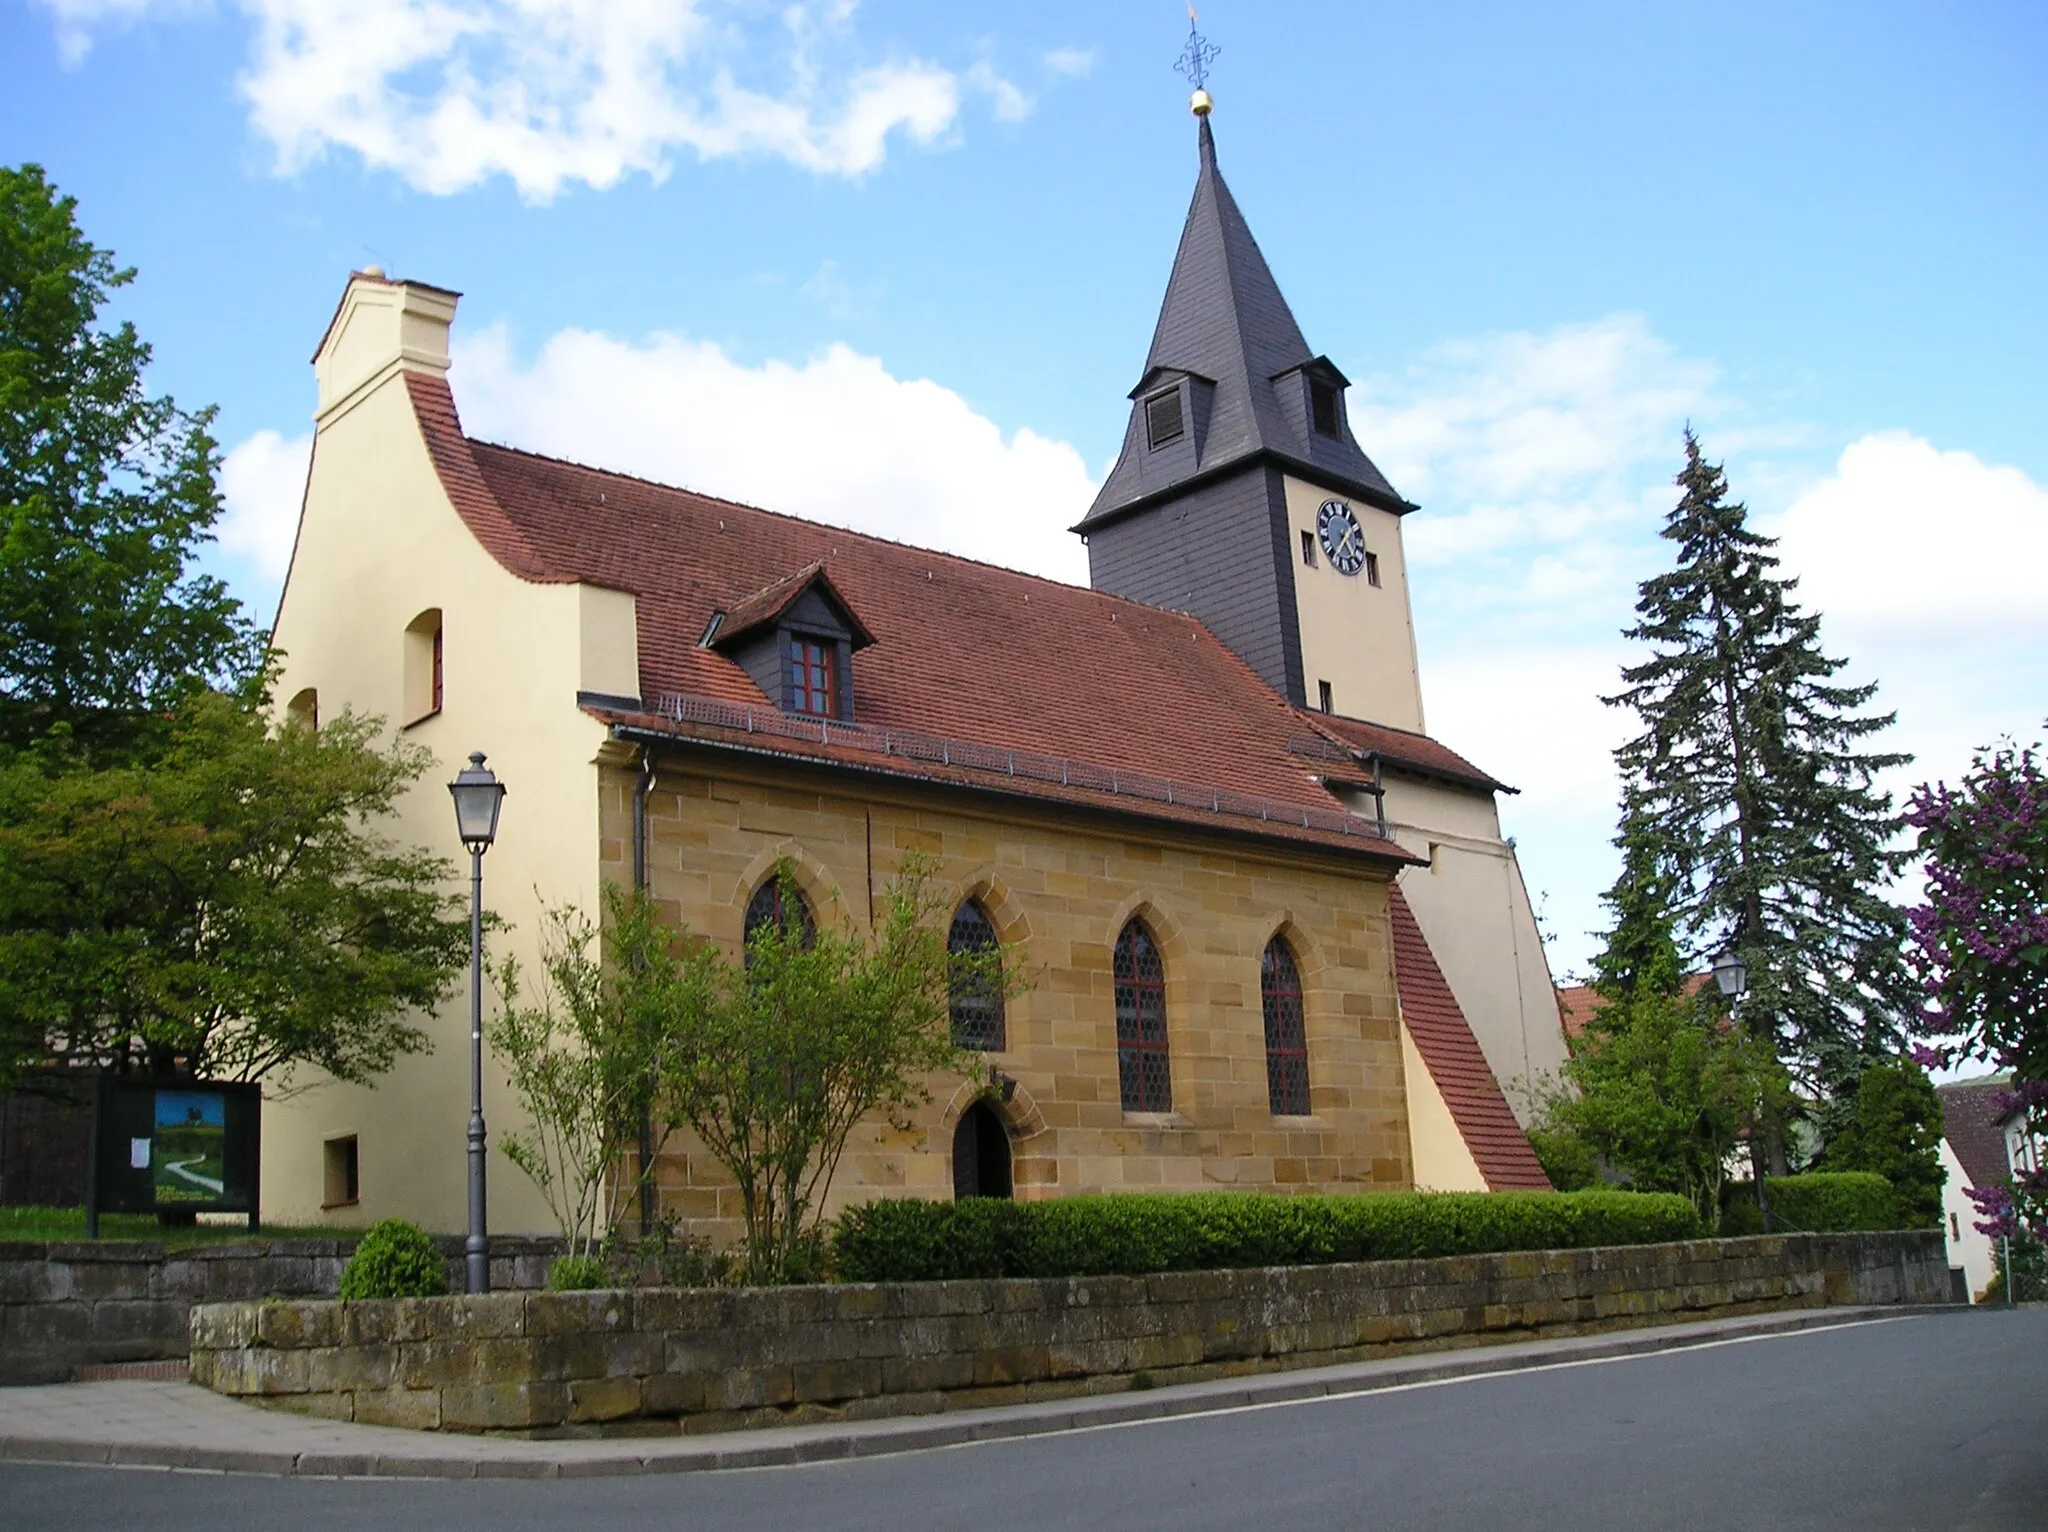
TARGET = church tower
(1241,495)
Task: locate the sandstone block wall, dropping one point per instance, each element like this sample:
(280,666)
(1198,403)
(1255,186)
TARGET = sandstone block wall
(666,1360)
(1060,886)
(68,1305)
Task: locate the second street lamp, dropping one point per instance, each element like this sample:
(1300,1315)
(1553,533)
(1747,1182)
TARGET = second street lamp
(478,795)
(1731,974)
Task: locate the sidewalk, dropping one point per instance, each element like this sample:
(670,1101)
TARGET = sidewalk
(162,1424)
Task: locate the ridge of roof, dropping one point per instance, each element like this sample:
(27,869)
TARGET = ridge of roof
(1224,318)
(1455,1061)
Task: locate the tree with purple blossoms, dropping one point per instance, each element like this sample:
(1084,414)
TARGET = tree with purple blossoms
(1980,943)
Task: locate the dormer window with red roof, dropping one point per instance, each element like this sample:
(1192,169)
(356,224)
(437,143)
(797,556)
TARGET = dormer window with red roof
(810,676)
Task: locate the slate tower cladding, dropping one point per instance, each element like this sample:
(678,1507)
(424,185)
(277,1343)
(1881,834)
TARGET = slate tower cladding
(1241,495)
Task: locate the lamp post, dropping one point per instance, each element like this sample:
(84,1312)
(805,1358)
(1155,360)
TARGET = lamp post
(1731,974)
(478,794)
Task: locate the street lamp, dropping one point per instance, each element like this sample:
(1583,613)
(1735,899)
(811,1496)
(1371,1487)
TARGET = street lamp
(478,794)
(1731,974)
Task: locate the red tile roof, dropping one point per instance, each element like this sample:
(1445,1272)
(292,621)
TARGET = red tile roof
(767,605)
(967,651)
(1972,1120)
(1402,748)
(1576,1003)
(1444,1039)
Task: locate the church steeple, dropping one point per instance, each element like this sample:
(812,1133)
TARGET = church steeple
(1241,495)
(1226,345)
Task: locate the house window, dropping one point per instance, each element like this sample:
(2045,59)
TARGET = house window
(1286,1036)
(1372,568)
(1324,698)
(1322,404)
(1141,1063)
(1955,1230)
(1308,549)
(976,1003)
(810,677)
(423,693)
(779,905)
(303,711)
(1163,423)
(342,1185)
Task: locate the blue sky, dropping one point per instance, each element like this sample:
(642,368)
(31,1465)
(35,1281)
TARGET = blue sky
(1540,239)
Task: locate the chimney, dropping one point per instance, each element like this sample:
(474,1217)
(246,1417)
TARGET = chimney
(383,327)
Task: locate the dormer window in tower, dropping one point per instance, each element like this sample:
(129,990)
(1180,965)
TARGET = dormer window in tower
(1164,422)
(1322,404)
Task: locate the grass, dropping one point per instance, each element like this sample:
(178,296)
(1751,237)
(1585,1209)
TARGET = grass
(35,1223)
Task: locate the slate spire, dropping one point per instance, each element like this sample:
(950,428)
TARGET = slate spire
(1228,344)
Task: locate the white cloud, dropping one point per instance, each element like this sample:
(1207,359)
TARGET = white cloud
(837,439)
(551,93)
(1070,62)
(263,481)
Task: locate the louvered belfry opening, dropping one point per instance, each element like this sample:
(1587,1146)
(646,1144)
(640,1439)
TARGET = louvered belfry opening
(976,1003)
(1142,1069)
(1286,1032)
(1163,422)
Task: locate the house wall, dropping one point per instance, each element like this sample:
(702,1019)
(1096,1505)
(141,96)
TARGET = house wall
(1060,886)
(1968,1247)
(1443,1163)
(379,543)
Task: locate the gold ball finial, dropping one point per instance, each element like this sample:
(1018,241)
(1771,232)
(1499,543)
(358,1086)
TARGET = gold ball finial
(1201,103)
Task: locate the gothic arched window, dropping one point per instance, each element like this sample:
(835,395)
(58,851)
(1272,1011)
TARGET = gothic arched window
(1286,1037)
(780,906)
(976,1001)
(1141,1065)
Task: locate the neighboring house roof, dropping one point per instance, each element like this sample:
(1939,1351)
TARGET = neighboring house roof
(1120,698)
(1402,750)
(1576,1003)
(1973,1121)
(1444,1039)
(1224,321)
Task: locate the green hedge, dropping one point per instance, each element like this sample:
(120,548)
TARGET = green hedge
(913,1241)
(395,1259)
(1825,1202)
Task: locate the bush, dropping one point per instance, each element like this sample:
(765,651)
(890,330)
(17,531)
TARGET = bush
(910,1241)
(1825,1202)
(396,1259)
(578,1274)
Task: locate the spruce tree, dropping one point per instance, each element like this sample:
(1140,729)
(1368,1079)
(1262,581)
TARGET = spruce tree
(1752,782)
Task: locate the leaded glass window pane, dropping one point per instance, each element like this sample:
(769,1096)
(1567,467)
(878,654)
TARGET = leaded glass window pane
(1286,1034)
(1143,1075)
(976,1003)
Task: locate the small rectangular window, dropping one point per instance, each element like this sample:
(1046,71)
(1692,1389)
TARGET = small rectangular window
(810,677)
(1322,401)
(1372,568)
(1329,706)
(1162,420)
(1955,1230)
(342,1184)
(1308,549)
(437,668)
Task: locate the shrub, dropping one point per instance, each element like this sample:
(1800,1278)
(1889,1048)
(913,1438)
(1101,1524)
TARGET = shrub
(395,1259)
(578,1274)
(1825,1202)
(908,1241)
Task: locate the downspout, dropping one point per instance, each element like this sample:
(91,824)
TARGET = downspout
(641,785)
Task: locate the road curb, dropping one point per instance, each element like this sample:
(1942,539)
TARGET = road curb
(454,1457)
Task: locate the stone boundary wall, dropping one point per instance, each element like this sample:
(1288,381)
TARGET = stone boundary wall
(71,1304)
(665,1360)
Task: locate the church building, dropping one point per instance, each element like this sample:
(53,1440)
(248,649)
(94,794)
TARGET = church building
(1270,935)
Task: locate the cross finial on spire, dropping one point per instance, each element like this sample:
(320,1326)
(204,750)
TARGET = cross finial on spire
(1194,63)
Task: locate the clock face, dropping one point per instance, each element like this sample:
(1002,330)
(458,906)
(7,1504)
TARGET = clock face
(1343,539)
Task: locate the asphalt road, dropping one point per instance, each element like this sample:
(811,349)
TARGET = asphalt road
(1937,1421)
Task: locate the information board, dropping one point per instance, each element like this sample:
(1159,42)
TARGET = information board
(174,1145)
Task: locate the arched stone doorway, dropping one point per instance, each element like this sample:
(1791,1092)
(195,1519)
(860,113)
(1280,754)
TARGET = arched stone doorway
(981,1153)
